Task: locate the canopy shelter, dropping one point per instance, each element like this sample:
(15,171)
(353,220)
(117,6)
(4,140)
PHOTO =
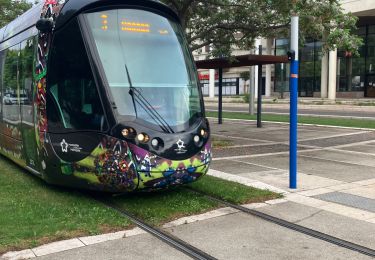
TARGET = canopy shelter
(240,61)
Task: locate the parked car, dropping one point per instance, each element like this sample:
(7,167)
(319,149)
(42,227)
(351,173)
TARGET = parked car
(10,99)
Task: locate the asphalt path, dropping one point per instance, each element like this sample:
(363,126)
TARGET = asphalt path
(344,112)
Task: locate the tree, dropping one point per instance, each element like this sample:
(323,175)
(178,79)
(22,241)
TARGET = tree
(10,9)
(224,24)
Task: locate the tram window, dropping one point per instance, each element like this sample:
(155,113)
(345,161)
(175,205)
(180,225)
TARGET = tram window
(73,100)
(10,97)
(26,79)
(145,51)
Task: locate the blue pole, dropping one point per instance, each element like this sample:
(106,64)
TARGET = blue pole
(293,103)
(293,124)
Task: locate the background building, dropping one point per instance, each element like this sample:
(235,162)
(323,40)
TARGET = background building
(332,75)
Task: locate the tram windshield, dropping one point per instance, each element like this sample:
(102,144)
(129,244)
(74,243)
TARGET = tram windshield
(147,66)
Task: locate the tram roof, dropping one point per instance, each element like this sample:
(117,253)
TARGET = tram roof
(70,9)
(241,61)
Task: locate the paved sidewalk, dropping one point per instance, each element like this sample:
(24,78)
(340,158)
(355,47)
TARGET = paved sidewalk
(336,166)
(335,195)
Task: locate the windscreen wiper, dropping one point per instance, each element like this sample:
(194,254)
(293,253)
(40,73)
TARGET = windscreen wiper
(150,110)
(131,90)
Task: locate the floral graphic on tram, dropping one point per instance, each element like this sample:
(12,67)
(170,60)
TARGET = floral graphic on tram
(114,167)
(109,166)
(117,165)
(158,172)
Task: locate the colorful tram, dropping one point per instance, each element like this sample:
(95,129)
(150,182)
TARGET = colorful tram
(102,95)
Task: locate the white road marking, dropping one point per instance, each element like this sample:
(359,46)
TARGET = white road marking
(338,161)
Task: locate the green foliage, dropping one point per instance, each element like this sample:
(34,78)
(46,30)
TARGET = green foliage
(245,75)
(10,9)
(326,20)
(224,24)
(246,98)
(10,70)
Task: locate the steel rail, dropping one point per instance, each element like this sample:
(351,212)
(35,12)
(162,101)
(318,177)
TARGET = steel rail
(171,240)
(298,228)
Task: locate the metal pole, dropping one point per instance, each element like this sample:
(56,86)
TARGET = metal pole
(252,90)
(259,106)
(293,105)
(237,86)
(220,96)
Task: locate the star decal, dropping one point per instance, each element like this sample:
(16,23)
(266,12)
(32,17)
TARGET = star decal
(180,144)
(64,146)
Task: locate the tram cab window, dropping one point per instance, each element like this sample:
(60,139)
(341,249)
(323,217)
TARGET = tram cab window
(73,101)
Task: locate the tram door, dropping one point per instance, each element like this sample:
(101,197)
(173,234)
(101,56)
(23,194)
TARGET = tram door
(26,96)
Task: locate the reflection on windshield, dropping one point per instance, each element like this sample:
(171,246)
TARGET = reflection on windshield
(145,51)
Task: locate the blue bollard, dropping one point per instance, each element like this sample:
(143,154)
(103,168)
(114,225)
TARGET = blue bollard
(293,124)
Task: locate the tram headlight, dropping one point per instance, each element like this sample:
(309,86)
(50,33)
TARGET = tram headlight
(197,139)
(203,133)
(143,138)
(155,142)
(128,132)
(125,132)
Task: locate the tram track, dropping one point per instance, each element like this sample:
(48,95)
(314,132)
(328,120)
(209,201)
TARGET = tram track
(196,253)
(167,238)
(290,225)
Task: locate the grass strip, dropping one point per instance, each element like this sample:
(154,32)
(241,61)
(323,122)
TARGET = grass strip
(157,208)
(346,122)
(220,143)
(34,213)
(235,192)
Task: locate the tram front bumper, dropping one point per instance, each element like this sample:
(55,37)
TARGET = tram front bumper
(156,172)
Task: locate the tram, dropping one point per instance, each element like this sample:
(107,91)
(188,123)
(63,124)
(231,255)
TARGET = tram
(102,95)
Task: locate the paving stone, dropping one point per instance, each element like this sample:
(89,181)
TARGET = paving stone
(229,166)
(364,191)
(348,211)
(314,192)
(366,182)
(345,186)
(327,142)
(349,200)
(306,200)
